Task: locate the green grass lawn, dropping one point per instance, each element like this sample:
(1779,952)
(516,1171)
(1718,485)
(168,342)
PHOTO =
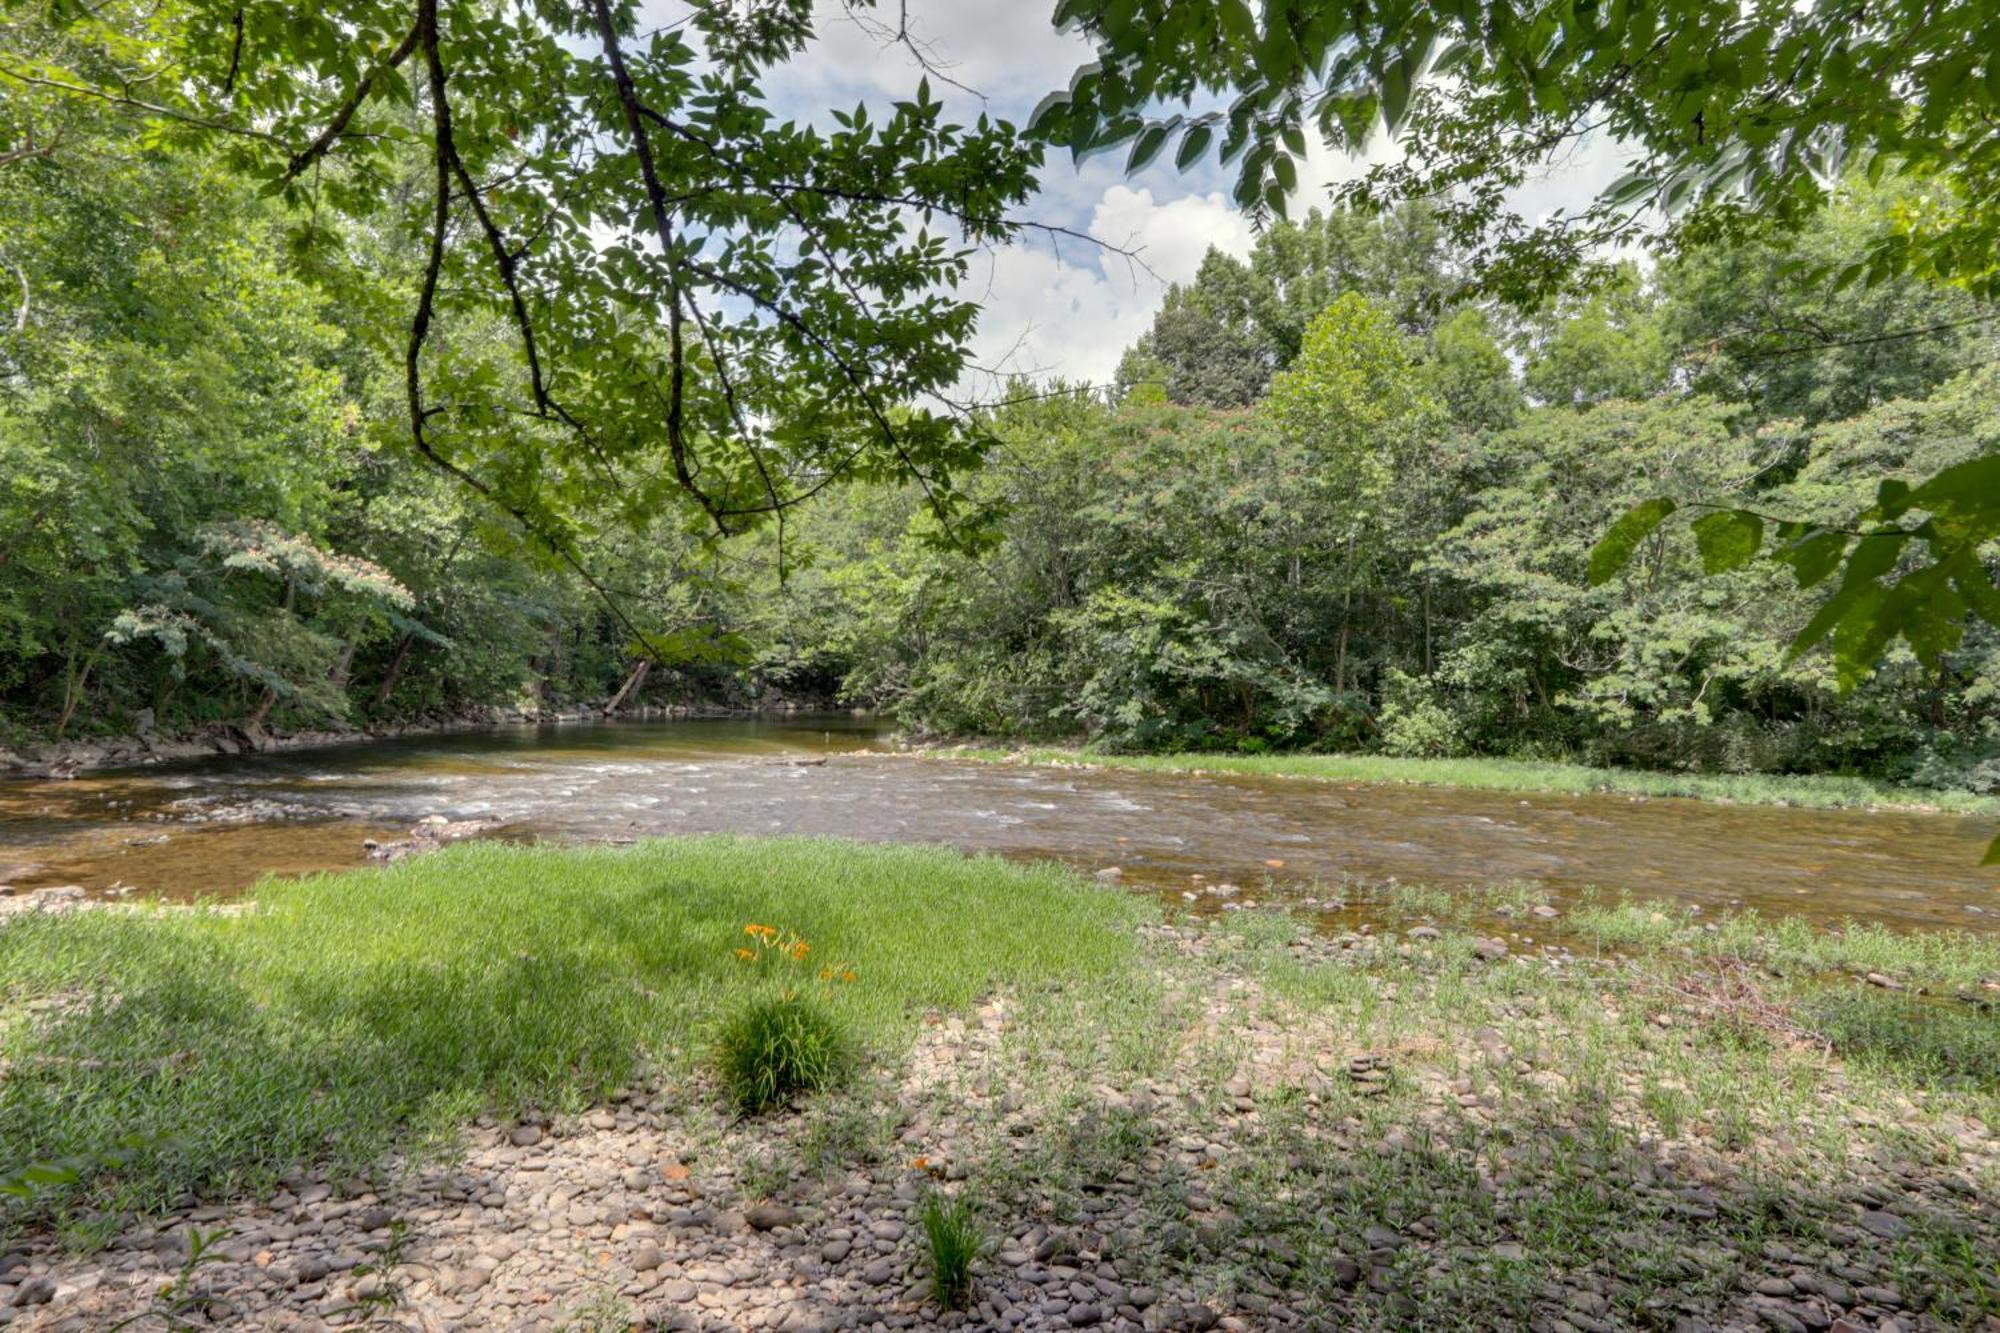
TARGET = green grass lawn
(353,1014)
(1518,775)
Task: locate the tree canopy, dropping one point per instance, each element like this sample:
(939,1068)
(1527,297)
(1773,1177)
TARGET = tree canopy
(621,278)
(1740,120)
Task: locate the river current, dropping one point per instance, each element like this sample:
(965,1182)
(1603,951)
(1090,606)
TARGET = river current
(212,828)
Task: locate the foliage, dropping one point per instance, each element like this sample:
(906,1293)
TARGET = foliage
(956,1241)
(774,1048)
(1394,549)
(1742,121)
(627,283)
(1731,113)
(1218,339)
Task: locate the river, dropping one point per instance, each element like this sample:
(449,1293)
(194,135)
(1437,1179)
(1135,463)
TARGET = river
(212,828)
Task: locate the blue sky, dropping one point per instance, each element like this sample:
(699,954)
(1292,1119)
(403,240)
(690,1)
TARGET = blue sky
(1071,309)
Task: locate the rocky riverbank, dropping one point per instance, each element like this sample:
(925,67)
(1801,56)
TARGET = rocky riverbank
(69,758)
(1266,1130)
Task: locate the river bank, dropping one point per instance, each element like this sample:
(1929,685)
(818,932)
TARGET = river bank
(479,1090)
(1811,791)
(71,758)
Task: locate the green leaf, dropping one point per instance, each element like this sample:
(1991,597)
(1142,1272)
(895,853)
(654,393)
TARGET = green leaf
(1193,144)
(1147,148)
(1813,558)
(1238,21)
(1395,94)
(1830,614)
(1874,556)
(1992,857)
(1976,587)
(1728,539)
(1614,551)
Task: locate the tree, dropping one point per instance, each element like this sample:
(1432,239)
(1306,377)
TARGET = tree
(1469,375)
(1757,326)
(1354,409)
(707,305)
(1738,118)
(1606,343)
(1732,112)
(1205,345)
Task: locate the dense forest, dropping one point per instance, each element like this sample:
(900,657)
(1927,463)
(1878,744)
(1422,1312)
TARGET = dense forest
(1330,502)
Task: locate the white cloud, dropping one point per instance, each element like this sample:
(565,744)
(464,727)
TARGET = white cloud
(1171,236)
(987,52)
(1063,307)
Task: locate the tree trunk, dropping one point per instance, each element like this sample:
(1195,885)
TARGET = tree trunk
(1427,626)
(630,687)
(263,707)
(395,671)
(73,686)
(1346,618)
(338,676)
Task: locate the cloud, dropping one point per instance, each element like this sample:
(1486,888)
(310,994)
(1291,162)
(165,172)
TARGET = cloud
(1063,307)
(1170,236)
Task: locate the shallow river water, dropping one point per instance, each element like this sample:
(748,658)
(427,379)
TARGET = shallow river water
(213,827)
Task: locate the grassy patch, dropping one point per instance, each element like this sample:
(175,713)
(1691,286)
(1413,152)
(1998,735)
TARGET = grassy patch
(351,1015)
(1950,959)
(1517,775)
(776,1047)
(1928,1044)
(955,1240)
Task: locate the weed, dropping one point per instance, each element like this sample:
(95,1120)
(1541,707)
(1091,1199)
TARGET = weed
(179,1304)
(1925,1042)
(602,1312)
(956,1241)
(772,1049)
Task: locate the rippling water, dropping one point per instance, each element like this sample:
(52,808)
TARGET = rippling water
(214,827)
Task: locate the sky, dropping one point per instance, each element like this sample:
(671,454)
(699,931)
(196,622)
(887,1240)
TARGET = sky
(1063,307)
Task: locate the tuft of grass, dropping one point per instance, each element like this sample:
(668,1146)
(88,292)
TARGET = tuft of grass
(956,1240)
(775,1048)
(1822,791)
(1952,959)
(1925,1043)
(355,1015)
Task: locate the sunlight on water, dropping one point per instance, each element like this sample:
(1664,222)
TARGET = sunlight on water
(213,827)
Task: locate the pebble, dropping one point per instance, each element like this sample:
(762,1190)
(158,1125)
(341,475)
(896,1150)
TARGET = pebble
(1886,1225)
(770,1216)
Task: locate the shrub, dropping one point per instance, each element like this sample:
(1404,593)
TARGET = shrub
(1415,722)
(775,1048)
(951,1227)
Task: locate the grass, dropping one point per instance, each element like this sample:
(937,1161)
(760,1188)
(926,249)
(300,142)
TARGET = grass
(955,1240)
(1520,775)
(356,1015)
(1943,959)
(1236,1112)
(1654,1122)
(776,1047)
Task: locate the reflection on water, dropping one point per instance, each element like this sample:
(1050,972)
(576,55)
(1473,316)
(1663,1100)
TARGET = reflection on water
(213,827)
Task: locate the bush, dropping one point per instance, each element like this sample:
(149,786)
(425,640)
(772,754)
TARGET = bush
(951,1227)
(771,1050)
(1415,723)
